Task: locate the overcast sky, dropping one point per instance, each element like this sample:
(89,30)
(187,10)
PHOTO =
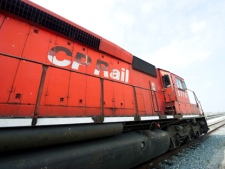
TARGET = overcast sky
(186,37)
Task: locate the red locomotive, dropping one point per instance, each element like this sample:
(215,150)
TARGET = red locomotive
(61,84)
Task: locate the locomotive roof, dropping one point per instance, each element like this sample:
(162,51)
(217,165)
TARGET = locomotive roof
(171,73)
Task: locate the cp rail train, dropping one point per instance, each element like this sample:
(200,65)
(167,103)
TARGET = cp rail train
(72,99)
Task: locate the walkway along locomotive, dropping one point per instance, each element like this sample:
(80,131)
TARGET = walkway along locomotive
(71,99)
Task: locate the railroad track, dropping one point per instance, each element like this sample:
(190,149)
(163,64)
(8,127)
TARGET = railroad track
(213,124)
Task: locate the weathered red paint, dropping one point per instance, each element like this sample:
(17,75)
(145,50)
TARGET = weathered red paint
(79,81)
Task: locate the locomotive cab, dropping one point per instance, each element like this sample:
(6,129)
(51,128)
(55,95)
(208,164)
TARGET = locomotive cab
(179,100)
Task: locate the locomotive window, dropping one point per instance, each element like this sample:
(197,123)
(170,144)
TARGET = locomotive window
(184,86)
(181,84)
(166,81)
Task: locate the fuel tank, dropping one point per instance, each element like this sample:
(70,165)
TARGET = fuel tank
(123,151)
(32,137)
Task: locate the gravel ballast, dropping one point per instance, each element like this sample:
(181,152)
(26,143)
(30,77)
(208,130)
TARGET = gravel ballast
(207,154)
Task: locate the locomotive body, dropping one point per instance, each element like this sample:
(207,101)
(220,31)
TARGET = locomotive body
(56,75)
(48,78)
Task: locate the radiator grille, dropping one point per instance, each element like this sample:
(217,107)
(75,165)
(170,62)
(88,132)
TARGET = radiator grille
(37,16)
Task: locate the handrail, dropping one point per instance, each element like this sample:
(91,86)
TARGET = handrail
(198,103)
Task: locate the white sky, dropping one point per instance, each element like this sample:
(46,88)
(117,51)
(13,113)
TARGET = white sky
(186,37)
